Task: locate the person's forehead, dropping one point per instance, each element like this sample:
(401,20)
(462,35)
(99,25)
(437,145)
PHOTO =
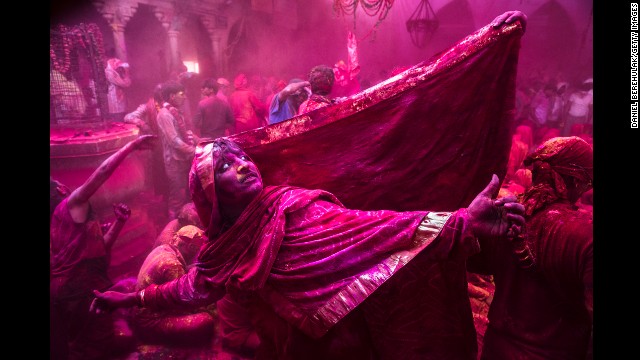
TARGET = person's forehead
(230,152)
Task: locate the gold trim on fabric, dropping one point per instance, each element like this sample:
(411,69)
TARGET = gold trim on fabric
(365,284)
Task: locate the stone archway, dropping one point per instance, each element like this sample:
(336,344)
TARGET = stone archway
(146,41)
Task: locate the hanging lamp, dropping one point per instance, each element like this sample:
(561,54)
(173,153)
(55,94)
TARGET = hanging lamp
(422,24)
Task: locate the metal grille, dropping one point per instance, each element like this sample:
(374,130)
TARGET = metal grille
(77,84)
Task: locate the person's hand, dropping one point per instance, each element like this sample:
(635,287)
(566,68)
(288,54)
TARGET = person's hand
(122,211)
(490,217)
(141,125)
(509,17)
(111,300)
(145,142)
(292,88)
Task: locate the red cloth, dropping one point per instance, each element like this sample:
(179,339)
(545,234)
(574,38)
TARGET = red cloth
(444,124)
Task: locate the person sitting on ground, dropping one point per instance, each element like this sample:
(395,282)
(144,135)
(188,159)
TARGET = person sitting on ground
(316,287)
(180,333)
(186,216)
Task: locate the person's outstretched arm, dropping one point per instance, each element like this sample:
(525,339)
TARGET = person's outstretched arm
(189,290)
(495,218)
(79,198)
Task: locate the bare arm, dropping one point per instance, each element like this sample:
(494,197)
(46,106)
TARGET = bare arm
(135,117)
(79,198)
(187,290)
(122,212)
(292,88)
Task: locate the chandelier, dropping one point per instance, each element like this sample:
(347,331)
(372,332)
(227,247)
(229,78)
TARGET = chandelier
(422,24)
(370,7)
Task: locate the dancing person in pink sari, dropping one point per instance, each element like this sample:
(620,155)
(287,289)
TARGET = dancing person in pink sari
(79,260)
(322,281)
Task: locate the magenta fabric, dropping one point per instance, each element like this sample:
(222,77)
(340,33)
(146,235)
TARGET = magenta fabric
(309,257)
(429,137)
(73,246)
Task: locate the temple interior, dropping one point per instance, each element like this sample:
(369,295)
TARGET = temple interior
(269,41)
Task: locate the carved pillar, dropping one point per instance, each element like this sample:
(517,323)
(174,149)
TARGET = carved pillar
(173,46)
(172,24)
(117,15)
(218,58)
(118,40)
(216,36)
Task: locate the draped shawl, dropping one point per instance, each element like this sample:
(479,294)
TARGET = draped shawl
(311,258)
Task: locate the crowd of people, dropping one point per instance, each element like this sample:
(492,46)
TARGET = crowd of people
(244,270)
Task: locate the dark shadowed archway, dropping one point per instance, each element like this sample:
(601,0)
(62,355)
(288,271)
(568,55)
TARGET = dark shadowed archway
(146,45)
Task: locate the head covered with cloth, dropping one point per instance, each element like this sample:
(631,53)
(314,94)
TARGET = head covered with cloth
(562,168)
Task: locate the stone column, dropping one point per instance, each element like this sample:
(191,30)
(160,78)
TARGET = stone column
(173,46)
(117,15)
(118,40)
(172,24)
(216,35)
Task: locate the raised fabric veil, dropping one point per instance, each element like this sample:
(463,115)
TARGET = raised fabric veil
(427,138)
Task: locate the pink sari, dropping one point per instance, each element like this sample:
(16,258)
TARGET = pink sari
(428,138)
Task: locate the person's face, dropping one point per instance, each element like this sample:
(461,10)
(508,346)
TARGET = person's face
(177,99)
(205,91)
(237,180)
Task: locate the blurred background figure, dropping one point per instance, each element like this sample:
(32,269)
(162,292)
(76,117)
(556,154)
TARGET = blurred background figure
(346,74)
(117,73)
(248,110)
(224,89)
